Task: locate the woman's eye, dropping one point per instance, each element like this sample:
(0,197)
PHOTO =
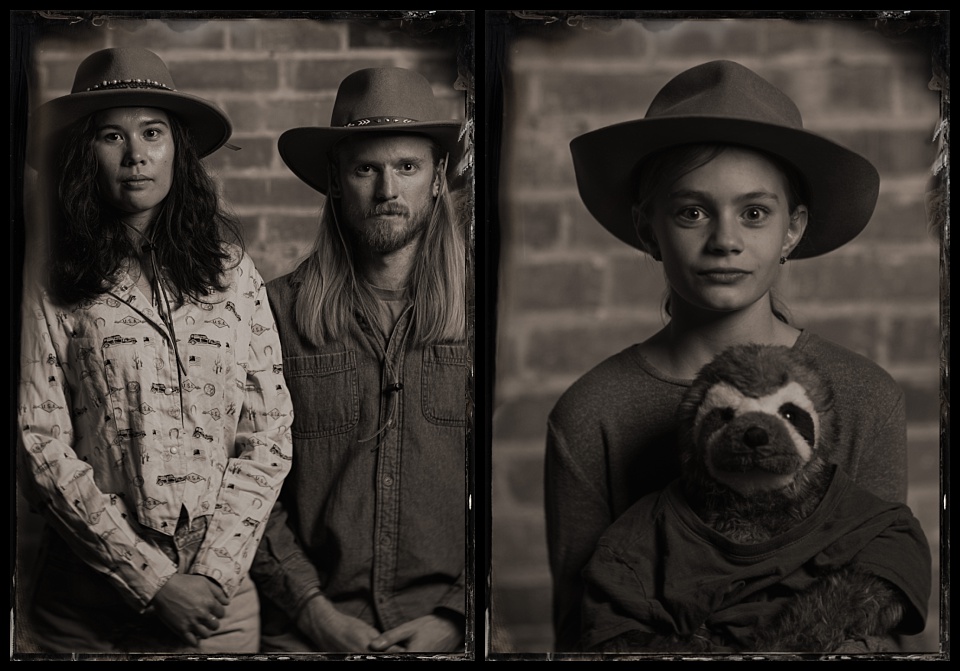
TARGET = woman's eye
(152,133)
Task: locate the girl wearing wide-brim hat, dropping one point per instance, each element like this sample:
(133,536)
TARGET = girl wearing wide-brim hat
(153,418)
(721,184)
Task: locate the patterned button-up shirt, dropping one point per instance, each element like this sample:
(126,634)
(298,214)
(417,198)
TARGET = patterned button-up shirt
(115,437)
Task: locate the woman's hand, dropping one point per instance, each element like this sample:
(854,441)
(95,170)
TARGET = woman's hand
(191,606)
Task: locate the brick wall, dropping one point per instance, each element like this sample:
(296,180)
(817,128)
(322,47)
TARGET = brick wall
(571,294)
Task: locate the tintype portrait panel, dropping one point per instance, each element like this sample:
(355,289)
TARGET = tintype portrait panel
(269,72)
(570,295)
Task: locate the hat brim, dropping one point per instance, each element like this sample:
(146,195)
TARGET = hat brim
(305,150)
(842,185)
(206,123)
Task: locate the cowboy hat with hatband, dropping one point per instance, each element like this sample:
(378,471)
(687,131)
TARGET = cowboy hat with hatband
(127,77)
(372,100)
(724,102)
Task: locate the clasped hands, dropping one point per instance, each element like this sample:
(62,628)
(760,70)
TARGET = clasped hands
(334,631)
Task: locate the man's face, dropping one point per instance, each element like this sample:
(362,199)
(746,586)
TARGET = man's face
(388,184)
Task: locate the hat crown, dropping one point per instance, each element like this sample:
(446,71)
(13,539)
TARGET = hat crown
(725,89)
(122,65)
(396,95)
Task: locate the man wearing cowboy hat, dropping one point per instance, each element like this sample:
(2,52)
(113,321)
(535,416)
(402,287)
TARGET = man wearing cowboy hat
(366,550)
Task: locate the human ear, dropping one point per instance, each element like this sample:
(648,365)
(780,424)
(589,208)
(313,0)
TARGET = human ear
(795,229)
(334,190)
(648,241)
(438,177)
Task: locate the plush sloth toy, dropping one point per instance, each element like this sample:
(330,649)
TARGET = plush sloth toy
(762,544)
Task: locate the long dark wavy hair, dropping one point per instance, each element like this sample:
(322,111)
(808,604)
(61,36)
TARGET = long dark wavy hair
(89,246)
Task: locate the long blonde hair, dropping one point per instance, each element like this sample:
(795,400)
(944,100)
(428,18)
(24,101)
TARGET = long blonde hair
(332,294)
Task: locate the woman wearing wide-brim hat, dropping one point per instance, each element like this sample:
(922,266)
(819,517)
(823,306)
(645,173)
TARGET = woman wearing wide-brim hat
(153,423)
(722,185)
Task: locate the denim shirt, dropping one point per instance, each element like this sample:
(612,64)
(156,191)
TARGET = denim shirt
(373,512)
(116,442)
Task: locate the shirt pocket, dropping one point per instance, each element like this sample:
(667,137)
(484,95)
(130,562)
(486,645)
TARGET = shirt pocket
(325,393)
(443,388)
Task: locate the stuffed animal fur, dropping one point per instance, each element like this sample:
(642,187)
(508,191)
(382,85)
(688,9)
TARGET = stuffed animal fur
(757,427)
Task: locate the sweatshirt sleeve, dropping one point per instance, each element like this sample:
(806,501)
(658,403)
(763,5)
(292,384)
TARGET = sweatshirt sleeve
(577,514)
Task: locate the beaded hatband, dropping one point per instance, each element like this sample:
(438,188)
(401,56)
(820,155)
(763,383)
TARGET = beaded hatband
(377,120)
(129,84)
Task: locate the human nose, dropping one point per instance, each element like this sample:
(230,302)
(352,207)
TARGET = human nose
(387,186)
(726,236)
(133,153)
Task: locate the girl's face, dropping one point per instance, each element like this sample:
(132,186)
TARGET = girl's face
(134,150)
(722,228)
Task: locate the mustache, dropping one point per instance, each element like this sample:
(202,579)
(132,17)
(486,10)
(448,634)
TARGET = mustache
(382,210)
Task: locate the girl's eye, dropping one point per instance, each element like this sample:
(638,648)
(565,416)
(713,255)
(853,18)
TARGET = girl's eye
(152,133)
(692,214)
(754,214)
(110,137)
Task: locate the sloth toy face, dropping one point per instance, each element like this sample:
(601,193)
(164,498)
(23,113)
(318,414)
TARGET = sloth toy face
(757,419)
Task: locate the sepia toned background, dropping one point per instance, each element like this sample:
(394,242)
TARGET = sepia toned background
(268,75)
(570,294)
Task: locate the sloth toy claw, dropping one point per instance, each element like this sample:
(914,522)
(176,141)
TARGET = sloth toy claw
(762,544)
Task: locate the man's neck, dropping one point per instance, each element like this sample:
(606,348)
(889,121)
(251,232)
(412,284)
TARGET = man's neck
(391,270)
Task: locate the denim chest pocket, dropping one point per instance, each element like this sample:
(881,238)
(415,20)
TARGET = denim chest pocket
(444,384)
(325,393)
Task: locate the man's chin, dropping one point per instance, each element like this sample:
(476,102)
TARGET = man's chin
(386,239)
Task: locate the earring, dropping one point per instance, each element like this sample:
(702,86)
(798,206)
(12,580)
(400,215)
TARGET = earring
(783,260)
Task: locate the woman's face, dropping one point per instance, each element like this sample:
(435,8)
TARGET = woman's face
(722,228)
(134,150)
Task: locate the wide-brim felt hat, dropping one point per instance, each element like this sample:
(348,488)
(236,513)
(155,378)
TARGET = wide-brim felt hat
(127,77)
(725,102)
(371,100)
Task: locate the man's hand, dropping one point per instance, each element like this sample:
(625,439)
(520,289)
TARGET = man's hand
(191,606)
(332,630)
(430,633)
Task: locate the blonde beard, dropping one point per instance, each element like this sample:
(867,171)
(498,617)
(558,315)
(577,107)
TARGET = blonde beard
(385,237)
